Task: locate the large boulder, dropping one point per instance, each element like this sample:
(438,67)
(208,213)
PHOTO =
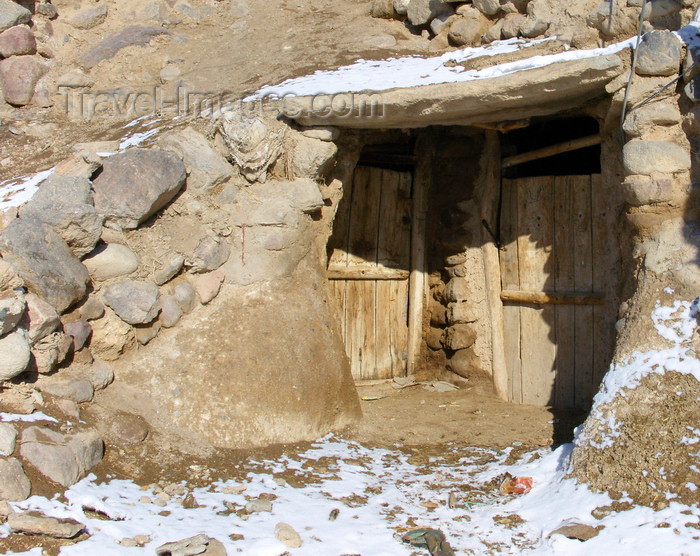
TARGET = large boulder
(648,157)
(65,204)
(12,14)
(135,184)
(421,12)
(659,54)
(18,77)
(205,167)
(44,261)
(14,483)
(133,301)
(63,458)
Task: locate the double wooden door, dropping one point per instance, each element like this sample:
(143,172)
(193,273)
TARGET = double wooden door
(369,269)
(556,335)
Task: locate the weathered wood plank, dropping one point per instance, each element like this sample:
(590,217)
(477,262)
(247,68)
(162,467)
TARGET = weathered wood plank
(564,281)
(361,294)
(490,160)
(362,272)
(552,150)
(510,280)
(393,250)
(535,240)
(552,298)
(583,282)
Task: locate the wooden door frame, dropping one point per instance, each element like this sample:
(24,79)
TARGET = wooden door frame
(418,287)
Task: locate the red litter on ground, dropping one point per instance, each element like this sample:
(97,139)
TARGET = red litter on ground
(516,485)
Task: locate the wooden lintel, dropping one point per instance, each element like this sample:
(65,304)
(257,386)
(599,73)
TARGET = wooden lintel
(546,298)
(552,150)
(365,273)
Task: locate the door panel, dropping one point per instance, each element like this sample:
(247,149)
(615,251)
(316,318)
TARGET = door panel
(369,268)
(548,247)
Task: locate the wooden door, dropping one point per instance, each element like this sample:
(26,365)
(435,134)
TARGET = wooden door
(369,271)
(550,288)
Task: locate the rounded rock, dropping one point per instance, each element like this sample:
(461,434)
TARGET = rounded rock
(14,355)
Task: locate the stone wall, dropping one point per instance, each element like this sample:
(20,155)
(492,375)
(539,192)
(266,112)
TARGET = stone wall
(583,24)
(632,420)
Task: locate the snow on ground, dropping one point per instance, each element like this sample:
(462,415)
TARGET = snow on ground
(379,493)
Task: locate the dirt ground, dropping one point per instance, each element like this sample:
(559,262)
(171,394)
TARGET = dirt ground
(414,420)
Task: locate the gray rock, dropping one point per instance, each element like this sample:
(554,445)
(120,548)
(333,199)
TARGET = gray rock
(18,78)
(171,313)
(648,117)
(135,184)
(47,10)
(61,458)
(494,32)
(659,8)
(154,11)
(89,18)
(44,261)
(382,8)
(111,261)
(34,523)
(464,363)
(100,374)
(146,332)
(572,529)
(487,7)
(8,437)
(401,6)
(41,318)
(12,306)
(17,41)
(14,483)
(646,157)
(186,296)
(133,301)
(75,79)
(286,534)
(463,312)
(659,54)
(457,290)
(311,158)
(77,390)
(539,16)
(642,190)
(207,286)
(125,429)
(111,336)
(692,89)
(170,271)
(12,14)
(14,355)
(459,336)
(135,35)
(65,204)
(205,167)
(465,32)
(80,331)
(210,254)
(199,544)
(92,309)
(258,506)
(51,351)
(511,25)
(304,195)
(441,22)
(421,12)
